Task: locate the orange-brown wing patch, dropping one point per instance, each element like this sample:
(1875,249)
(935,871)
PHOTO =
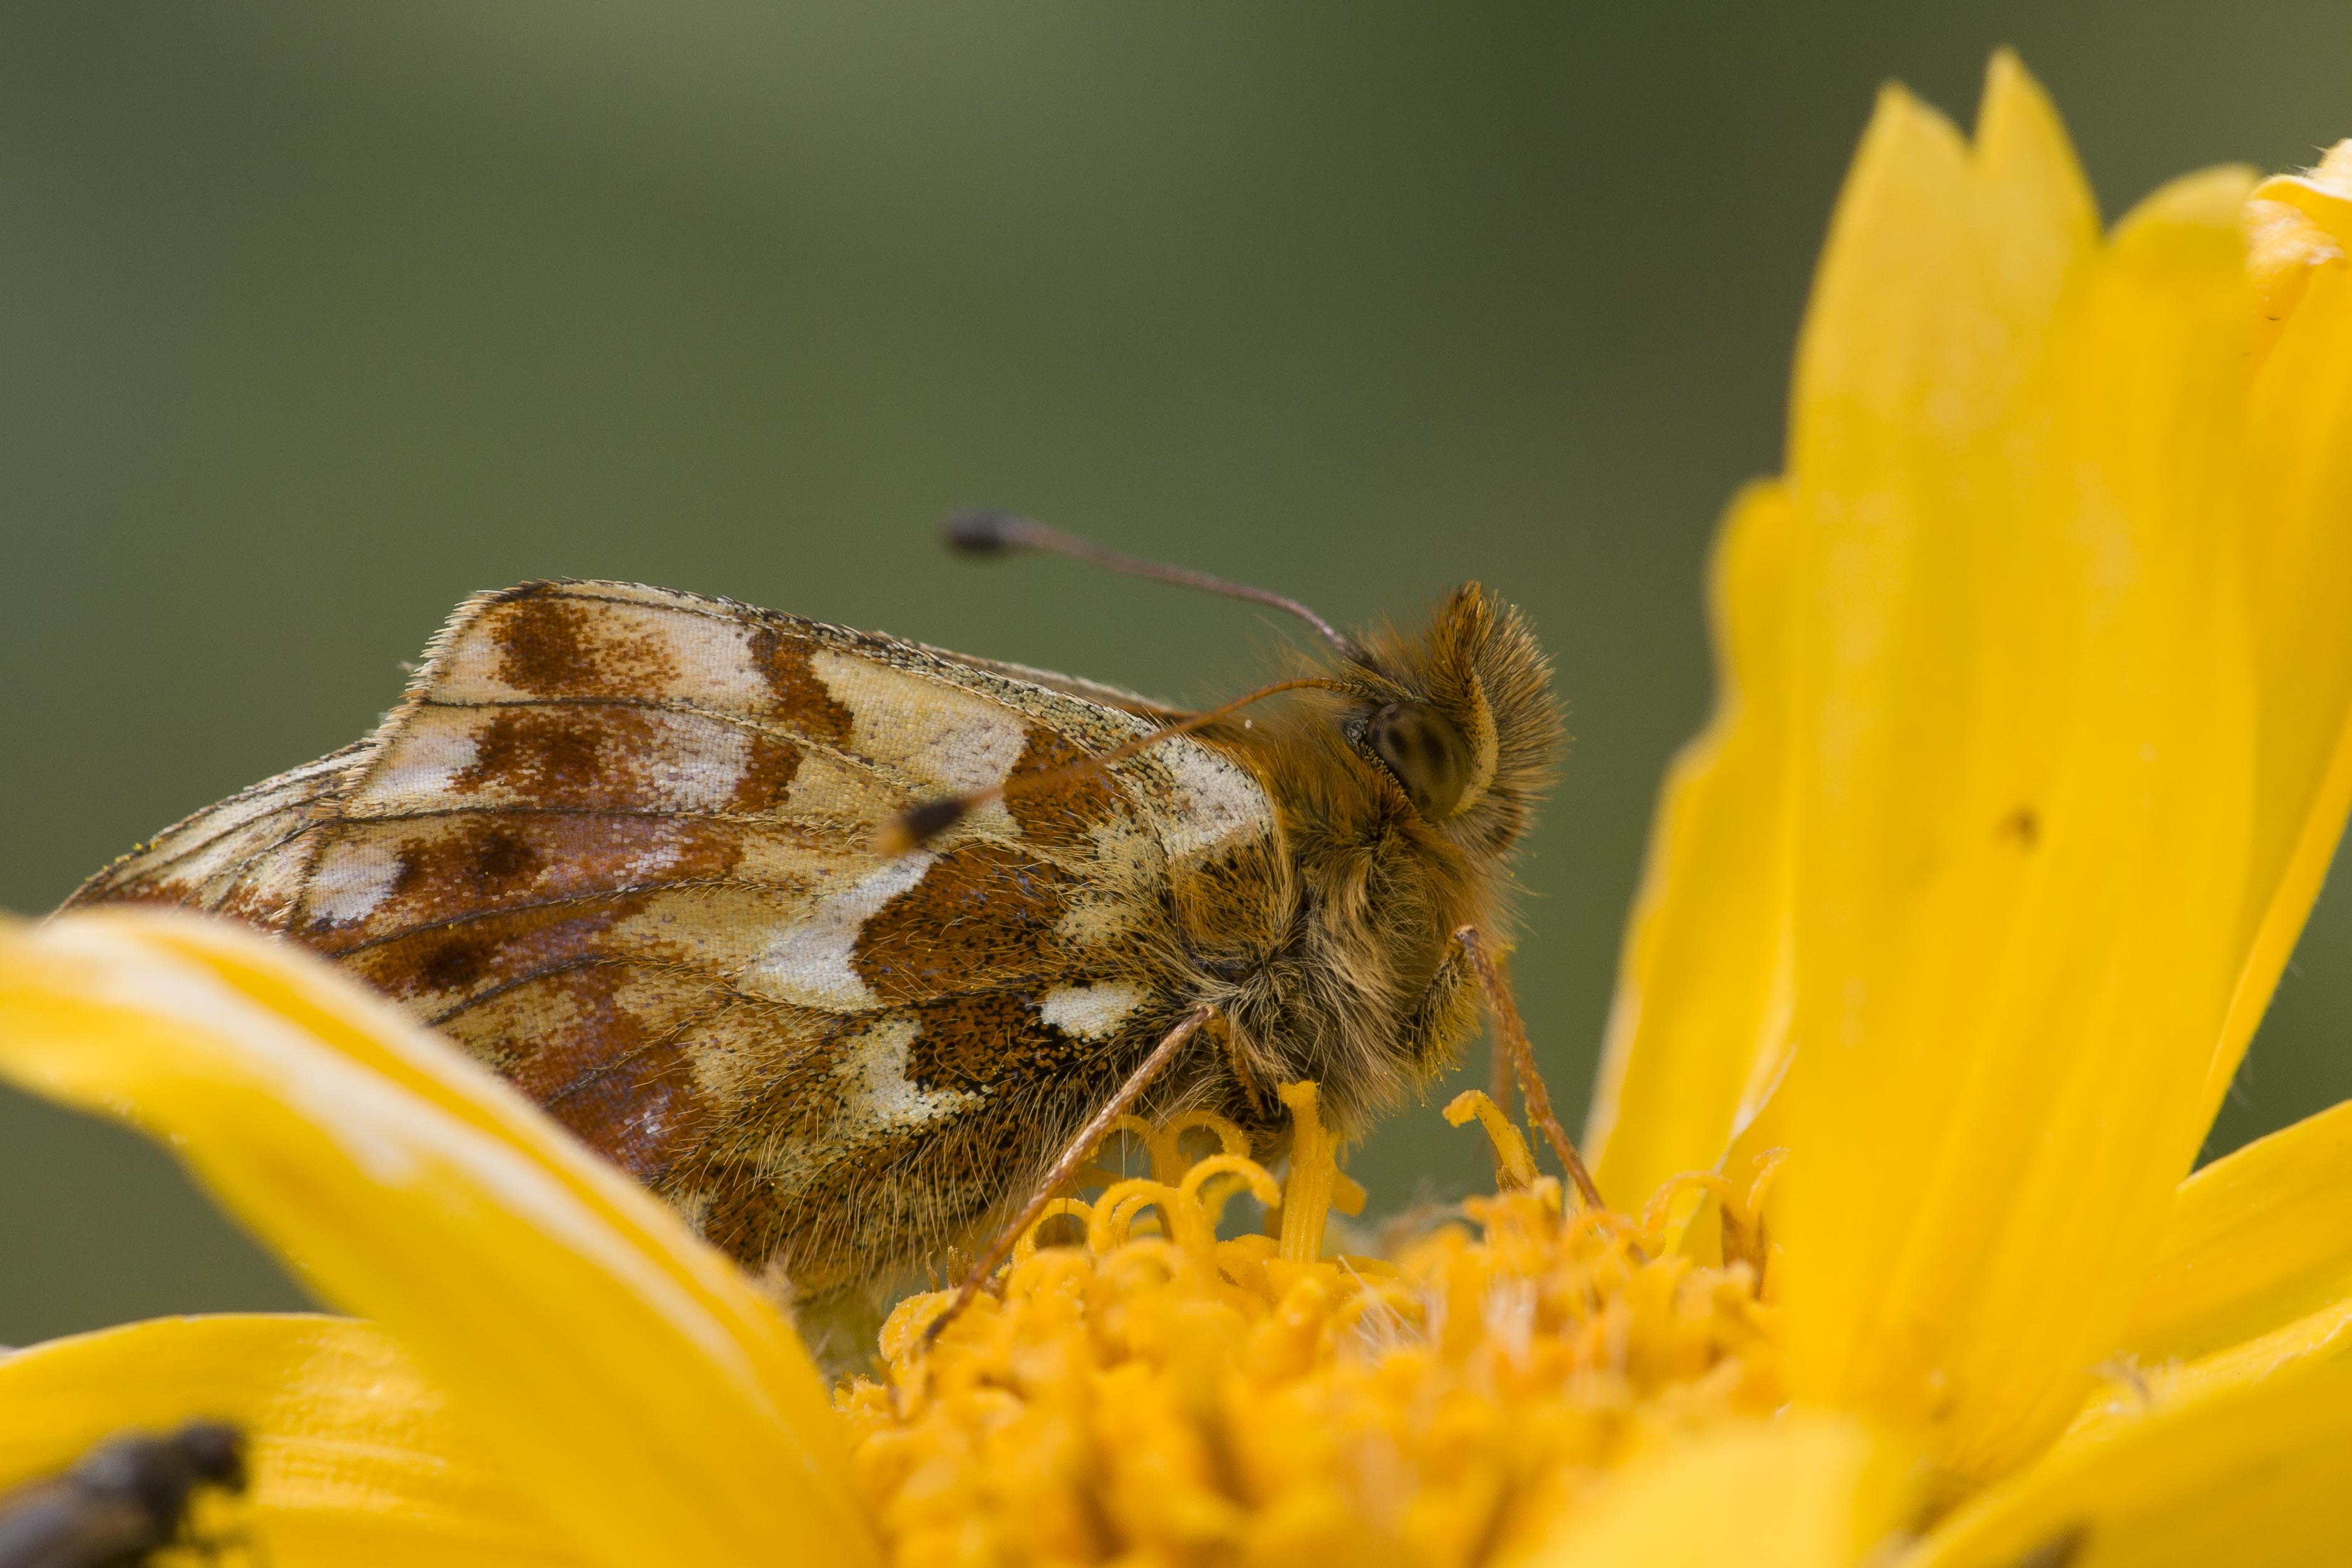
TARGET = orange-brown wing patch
(598,755)
(982,917)
(443,968)
(555,641)
(783,658)
(375,880)
(1065,812)
(969,1044)
(602,1046)
(555,647)
(626,758)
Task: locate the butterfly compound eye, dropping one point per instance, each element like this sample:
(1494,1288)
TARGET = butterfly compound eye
(1424,754)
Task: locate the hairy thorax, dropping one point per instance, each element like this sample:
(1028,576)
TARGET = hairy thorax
(1326,949)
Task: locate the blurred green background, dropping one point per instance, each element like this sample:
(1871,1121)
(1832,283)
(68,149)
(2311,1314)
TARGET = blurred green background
(313,319)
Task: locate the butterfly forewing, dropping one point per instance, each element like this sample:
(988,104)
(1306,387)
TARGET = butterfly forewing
(619,843)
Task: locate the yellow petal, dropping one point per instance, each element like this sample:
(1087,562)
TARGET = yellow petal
(1808,1490)
(2022,769)
(2245,1459)
(2298,581)
(1700,1016)
(2296,226)
(1942,262)
(356,1458)
(2253,1240)
(629,1379)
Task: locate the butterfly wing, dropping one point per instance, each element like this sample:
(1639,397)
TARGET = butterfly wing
(244,856)
(618,843)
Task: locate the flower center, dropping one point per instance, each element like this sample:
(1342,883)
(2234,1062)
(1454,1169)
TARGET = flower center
(1154,1389)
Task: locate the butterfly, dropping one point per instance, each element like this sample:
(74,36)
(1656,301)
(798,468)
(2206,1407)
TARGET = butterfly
(837,941)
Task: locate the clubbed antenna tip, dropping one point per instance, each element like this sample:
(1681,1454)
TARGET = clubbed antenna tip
(986,532)
(919,825)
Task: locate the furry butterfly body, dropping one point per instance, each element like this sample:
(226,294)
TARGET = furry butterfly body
(620,844)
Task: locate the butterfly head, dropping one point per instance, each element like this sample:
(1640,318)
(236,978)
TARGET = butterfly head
(1454,723)
(1459,718)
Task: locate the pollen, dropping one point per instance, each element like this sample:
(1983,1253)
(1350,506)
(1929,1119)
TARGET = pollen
(1138,1387)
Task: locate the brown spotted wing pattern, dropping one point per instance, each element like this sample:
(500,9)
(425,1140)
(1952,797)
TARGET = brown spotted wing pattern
(617,842)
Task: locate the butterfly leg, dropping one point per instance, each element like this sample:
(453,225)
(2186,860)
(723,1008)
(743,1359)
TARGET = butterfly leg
(1243,1073)
(1502,1076)
(1073,1158)
(1511,1042)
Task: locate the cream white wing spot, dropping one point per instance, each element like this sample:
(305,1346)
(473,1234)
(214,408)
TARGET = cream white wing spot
(928,729)
(878,1097)
(649,864)
(351,879)
(809,964)
(704,777)
(1215,802)
(1090,1012)
(419,767)
(715,660)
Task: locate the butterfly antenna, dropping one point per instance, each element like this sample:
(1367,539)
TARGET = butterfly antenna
(918,825)
(1004,533)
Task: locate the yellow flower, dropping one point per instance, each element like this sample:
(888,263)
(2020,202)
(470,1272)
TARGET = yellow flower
(2035,741)
(2031,753)
(1171,1394)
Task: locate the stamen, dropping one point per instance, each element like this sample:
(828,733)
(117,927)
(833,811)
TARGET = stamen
(1314,1172)
(1078,1209)
(1744,1241)
(1197,1216)
(1514,1165)
(1659,1210)
(1768,1166)
(1115,1211)
(1178,1397)
(1741,1213)
(1167,1145)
